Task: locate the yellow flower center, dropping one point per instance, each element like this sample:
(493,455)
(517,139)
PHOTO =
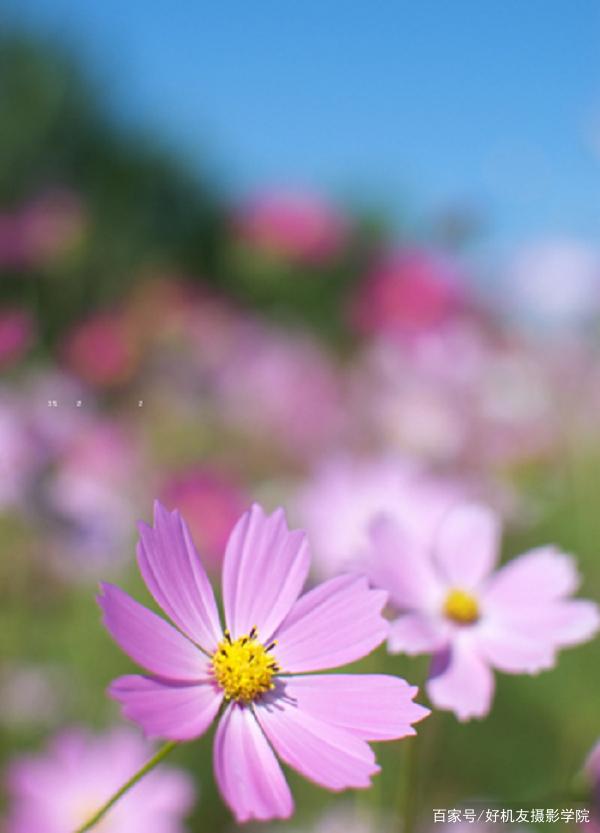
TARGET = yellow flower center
(461,607)
(244,668)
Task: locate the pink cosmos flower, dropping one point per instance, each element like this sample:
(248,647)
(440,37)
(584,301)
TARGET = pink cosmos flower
(59,790)
(299,227)
(260,669)
(471,619)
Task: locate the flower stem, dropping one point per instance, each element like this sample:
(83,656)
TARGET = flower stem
(154,761)
(409,794)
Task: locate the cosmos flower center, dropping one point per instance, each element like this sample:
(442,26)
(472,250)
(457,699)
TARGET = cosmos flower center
(244,668)
(461,607)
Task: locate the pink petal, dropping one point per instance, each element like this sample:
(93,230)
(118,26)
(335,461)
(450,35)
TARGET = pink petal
(465,685)
(508,650)
(264,571)
(148,639)
(177,711)
(565,623)
(536,633)
(325,754)
(336,623)
(247,772)
(370,706)
(468,544)
(400,564)
(541,575)
(176,578)
(417,633)
(527,617)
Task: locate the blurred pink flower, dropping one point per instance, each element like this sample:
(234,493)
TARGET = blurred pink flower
(101,350)
(473,620)
(281,388)
(32,434)
(260,670)
(192,332)
(211,502)
(100,447)
(87,503)
(297,227)
(53,429)
(517,412)
(214,327)
(58,790)
(346,494)
(459,396)
(409,291)
(16,334)
(406,398)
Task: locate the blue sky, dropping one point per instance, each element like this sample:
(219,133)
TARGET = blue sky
(403,105)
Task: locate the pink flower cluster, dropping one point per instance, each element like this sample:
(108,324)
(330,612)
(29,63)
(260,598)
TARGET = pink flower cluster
(462,396)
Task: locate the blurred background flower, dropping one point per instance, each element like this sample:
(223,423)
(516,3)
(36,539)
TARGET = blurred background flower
(295,227)
(213,502)
(61,788)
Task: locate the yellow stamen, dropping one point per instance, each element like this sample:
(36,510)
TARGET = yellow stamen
(461,607)
(244,668)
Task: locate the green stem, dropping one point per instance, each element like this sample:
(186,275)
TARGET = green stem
(162,753)
(409,796)
(415,751)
